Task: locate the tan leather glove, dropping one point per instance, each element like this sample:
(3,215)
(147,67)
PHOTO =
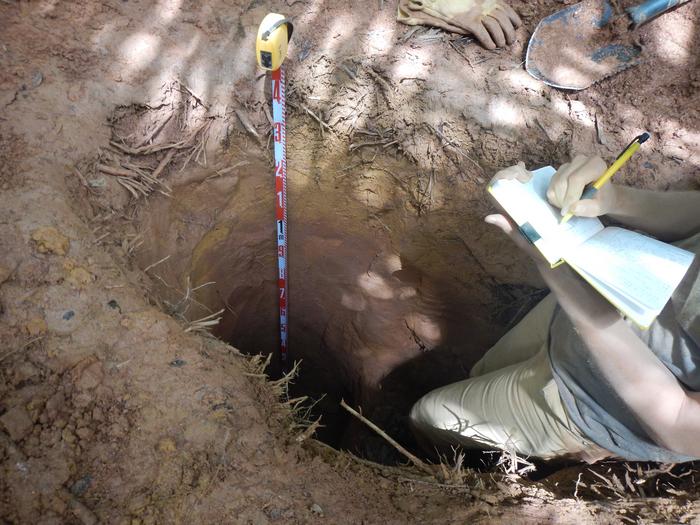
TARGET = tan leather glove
(492,22)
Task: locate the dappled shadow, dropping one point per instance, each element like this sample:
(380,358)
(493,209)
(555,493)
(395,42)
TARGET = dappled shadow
(444,114)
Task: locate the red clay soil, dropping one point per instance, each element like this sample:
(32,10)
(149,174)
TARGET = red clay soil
(115,407)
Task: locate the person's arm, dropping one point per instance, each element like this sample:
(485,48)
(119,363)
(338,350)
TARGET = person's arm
(669,215)
(669,413)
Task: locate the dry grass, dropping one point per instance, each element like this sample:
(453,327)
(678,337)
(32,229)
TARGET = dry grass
(511,464)
(147,142)
(622,481)
(296,410)
(204,324)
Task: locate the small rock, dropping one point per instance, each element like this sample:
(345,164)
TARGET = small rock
(37,79)
(68,436)
(50,240)
(79,277)
(22,467)
(36,326)
(97,414)
(84,515)
(79,487)
(5,273)
(61,322)
(116,432)
(83,399)
(114,305)
(90,377)
(84,433)
(98,183)
(316,509)
(167,445)
(177,363)
(17,422)
(54,404)
(49,438)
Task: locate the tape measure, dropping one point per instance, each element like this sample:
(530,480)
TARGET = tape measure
(274,34)
(271,50)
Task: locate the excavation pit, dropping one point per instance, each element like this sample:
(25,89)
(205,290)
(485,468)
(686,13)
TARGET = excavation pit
(381,309)
(117,407)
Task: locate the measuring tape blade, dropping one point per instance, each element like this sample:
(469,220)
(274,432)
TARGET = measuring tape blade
(280,143)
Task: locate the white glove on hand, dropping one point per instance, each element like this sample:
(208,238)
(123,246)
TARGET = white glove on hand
(570,180)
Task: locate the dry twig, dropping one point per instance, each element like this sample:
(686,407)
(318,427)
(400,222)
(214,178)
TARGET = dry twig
(314,116)
(25,345)
(163,163)
(413,459)
(444,141)
(248,126)
(151,266)
(158,129)
(386,87)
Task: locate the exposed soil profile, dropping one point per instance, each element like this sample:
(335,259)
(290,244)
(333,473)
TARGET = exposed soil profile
(138,298)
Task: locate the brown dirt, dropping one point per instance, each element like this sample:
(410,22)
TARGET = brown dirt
(111,411)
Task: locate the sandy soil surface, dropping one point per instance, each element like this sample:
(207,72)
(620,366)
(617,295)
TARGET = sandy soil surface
(116,407)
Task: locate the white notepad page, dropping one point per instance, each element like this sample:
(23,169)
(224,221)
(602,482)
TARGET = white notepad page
(527,202)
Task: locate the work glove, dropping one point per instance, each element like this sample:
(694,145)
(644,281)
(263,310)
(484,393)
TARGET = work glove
(492,22)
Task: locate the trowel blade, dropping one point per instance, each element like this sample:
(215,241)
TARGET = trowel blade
(576,47)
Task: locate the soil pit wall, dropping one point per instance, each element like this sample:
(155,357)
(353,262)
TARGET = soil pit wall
(385,303)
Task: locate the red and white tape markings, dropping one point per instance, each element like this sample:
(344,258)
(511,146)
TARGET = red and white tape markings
(280,143)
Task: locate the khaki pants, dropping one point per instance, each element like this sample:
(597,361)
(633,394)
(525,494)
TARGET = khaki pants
(510,402)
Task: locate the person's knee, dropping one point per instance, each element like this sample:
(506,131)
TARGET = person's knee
(478,368)
(417,414)
(421,417)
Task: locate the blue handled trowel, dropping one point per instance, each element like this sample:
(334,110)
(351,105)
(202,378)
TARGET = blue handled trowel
(580,45)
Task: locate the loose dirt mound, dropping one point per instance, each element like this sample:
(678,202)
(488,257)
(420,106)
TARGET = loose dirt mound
(135,197)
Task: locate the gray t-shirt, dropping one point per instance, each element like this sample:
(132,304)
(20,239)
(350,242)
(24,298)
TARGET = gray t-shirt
(592,403)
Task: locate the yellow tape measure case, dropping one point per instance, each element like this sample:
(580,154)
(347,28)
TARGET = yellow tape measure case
(274,34)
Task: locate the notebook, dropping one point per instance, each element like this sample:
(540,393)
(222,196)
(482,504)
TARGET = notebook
(636,273)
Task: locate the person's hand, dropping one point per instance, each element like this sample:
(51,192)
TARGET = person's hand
(518,172)
(492,22)
(511,230)
(570,180)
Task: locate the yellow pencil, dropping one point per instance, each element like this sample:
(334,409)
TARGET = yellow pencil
(591,189)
